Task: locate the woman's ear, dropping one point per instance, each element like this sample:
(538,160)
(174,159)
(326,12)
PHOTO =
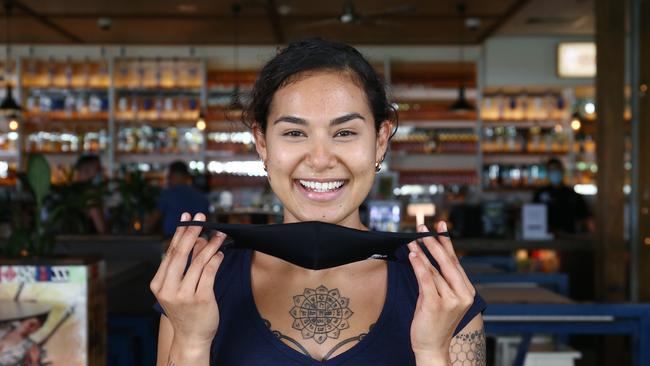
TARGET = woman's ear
(383,136)
(260,141)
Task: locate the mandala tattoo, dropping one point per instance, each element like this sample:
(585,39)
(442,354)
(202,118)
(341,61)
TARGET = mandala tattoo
(468,349)
(320,314)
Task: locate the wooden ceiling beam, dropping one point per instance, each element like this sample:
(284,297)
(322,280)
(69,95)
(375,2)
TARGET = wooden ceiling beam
(507,15)
(47,22)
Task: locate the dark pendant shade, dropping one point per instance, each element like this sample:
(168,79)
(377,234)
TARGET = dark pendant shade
(461,104)
(9,104)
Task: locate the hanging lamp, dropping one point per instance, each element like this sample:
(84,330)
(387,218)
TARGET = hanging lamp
(235,100)
(461,104)
(9,106)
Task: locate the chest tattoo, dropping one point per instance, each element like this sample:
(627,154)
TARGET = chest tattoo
(320,313)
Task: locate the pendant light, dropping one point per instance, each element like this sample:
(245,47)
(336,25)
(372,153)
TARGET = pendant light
(9,106)
(235,101)
(461,104)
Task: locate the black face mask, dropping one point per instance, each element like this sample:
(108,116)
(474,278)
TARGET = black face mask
(314,244)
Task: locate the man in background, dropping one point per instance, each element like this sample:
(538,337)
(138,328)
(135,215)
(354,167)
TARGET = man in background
(88,172)
(179,196)
(567,210)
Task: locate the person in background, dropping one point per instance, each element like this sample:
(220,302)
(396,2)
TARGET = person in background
(180,196)
(88,171)
(567,210)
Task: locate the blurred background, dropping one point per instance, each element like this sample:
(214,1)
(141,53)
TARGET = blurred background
(117,116)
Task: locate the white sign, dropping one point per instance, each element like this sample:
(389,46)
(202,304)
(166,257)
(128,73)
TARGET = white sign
(534,222)
(576,60)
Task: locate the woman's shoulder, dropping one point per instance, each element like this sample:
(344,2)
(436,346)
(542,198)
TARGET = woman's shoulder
(233,262)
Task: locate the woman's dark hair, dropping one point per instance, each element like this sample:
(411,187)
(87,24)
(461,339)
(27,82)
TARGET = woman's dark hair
(316,54)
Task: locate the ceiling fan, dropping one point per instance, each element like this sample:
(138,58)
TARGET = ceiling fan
(350,16)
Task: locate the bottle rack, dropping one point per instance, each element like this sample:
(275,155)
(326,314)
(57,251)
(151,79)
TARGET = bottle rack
(9,136)
(434,145)
(520,131)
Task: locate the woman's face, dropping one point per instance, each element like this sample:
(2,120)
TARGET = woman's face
(321,147)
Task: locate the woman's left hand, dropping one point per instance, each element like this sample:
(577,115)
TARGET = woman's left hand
(443,298)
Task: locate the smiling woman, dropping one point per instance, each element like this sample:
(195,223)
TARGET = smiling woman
(321,123)
(322,147)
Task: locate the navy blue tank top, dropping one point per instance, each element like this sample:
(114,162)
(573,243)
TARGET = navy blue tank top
(244,339)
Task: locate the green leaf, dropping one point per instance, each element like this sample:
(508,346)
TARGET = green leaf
(39,175)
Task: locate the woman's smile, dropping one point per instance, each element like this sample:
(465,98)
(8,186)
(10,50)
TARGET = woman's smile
(321,190)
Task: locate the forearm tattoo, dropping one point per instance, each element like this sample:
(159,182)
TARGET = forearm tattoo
(468,349)
(319,314)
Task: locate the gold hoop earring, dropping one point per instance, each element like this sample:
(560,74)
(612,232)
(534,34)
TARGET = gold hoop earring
(378,164)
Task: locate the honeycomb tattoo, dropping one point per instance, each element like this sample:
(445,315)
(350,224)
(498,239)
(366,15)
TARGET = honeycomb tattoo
(468,349)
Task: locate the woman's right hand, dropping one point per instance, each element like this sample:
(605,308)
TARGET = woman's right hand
(188,299)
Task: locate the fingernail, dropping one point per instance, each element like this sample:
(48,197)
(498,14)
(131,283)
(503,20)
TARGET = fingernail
(423,228)
(198,217)
(443,226)
(411,246)
(185,216)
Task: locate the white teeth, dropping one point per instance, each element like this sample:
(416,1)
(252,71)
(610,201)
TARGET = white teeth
(321,186)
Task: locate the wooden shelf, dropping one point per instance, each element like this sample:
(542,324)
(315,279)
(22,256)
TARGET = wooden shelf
(227,156)
(523,153)
(434,162)
(154,157)
(439,123)
(65,116)
(520,158)
(522,123)
(436,115)
(163,121)
(62,153)
(194,90)
(66,89)
(511,189)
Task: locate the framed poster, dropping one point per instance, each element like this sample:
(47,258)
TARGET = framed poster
(52,315)
(576,59)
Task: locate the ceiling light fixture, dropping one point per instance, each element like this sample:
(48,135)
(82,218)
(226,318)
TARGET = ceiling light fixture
(9,106)
(235,100)
(461,104)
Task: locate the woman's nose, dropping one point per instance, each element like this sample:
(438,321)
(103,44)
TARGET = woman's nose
(321,155)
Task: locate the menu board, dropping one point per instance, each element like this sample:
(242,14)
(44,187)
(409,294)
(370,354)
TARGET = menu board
(52,315)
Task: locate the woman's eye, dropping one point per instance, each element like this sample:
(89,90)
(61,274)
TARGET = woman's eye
(294,134)
(345,133)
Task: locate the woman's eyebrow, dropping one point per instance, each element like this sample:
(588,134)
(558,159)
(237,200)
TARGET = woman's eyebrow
(336,121)
(346,118)
(291,119)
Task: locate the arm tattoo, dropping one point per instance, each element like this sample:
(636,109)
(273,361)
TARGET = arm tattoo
(468,349)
